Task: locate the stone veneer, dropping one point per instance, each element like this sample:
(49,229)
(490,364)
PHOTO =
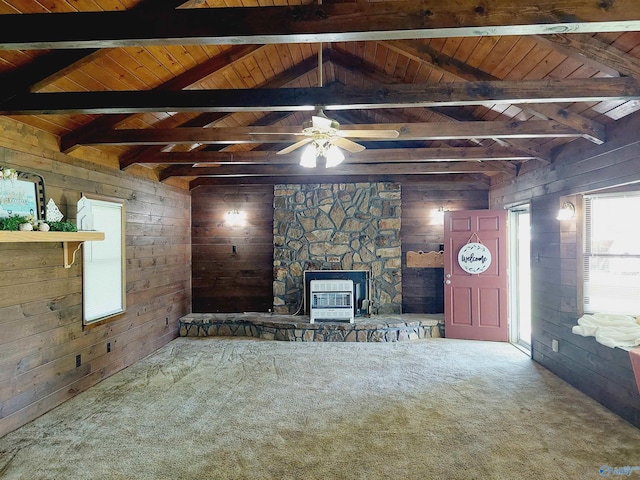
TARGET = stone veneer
(387,328)
(346,226)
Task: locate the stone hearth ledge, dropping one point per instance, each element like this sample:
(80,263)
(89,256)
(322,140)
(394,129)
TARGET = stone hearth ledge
(297,328)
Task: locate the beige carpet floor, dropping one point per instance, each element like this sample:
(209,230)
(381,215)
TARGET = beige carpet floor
(235,408)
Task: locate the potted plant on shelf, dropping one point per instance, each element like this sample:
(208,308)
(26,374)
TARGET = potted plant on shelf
(29,223)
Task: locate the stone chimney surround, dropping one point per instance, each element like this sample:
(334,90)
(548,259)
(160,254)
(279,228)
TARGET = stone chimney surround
(346,226)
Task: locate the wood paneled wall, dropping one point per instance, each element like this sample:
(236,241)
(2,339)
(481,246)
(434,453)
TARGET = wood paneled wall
(423,288)
(603,373)
(224,280)
(221,278)
(41,302)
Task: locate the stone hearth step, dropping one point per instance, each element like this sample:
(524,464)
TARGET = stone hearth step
(387,328)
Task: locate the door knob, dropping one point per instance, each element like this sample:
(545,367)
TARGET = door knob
(448,282)
(448,275)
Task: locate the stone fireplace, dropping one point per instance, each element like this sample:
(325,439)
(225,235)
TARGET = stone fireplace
(346,226)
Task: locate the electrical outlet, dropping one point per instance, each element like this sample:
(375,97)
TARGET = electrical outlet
(108,347)
(554,345)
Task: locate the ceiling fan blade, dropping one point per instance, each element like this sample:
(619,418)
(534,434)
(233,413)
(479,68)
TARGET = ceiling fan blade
(295,146)
(369,133)
(348,145)
(277,133)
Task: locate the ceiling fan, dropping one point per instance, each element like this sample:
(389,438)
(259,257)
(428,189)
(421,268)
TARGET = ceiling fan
(325,139)
(323,136)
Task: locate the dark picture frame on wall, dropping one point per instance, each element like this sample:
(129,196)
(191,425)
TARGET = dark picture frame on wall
(23,196)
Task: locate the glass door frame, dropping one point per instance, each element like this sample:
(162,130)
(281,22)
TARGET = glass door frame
(520,277)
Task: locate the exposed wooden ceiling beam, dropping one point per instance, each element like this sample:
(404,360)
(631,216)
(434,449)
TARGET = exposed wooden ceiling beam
(521,147)
(314,23)
(393,155)
(71,140)
(332,97)
(423,52)
(205,119)
(149,153)
(593,131)
(406,131)
(364,73)
(342,169)
(231,56)
(592,51)
(359,68)
(46,69)
(417,50)
(468,181)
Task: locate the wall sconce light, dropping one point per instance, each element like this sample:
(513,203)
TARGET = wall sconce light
(439,215)
(566,212)
(235,218)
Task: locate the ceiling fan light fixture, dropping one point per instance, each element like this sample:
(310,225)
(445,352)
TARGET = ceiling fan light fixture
(309,156)
(333,156)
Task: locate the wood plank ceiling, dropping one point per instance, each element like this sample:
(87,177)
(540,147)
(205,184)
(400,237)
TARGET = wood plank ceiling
(208,90)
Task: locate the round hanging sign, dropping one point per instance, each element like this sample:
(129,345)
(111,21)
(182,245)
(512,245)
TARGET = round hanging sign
(474,258)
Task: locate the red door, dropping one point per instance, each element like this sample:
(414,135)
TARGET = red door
(476,306)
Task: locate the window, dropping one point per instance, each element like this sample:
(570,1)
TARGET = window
(103,262)
(612,254)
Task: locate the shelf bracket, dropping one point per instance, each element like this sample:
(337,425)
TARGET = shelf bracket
(69,251)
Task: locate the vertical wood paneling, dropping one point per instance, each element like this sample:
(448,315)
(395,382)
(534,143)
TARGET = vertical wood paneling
(41,301)
(224,281)
(601,372)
